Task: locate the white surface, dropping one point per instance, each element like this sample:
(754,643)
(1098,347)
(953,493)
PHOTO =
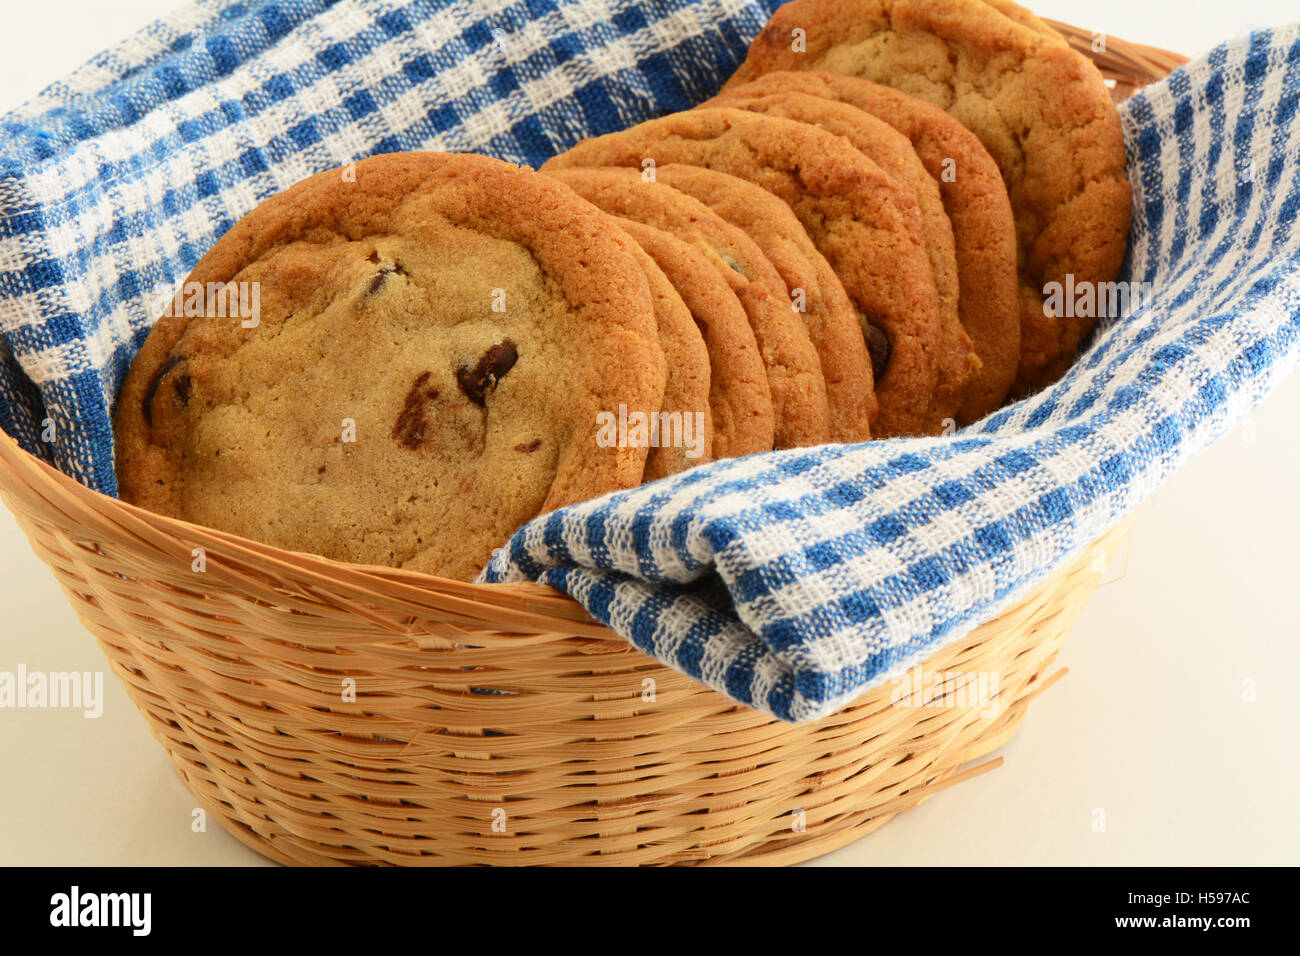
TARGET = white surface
(1184,769)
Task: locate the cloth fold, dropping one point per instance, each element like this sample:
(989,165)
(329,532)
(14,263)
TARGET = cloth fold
(793,580)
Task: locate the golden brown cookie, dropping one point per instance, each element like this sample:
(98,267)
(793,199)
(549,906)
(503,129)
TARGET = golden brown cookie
(815,291)
(892,152)
(682,429)
(798,391)
(433,342)
(1026,18)
(975,199)
(1041,110)
(868,228)
(739,397)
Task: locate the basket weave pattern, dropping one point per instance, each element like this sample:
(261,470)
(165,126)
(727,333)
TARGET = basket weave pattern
(331,713)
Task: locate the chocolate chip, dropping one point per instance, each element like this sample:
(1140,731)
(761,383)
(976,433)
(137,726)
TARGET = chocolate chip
(411,427)
(529,448)
(381,277)
(152,391)
(879,348)
(183,389)
(495,363)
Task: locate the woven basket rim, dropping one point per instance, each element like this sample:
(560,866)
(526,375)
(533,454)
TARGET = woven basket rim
(536,605)
(1123,60)
(1128,65)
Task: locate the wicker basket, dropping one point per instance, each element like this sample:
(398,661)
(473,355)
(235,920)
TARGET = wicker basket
(328,713)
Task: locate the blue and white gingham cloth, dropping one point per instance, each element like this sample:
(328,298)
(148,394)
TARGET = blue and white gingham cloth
(790,581)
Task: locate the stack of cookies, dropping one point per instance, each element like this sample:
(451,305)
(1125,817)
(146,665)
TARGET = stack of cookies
(854,240)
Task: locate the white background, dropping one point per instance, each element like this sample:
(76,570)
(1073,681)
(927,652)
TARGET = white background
(1184,769)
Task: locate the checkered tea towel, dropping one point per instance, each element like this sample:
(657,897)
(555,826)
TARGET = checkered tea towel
(792,580)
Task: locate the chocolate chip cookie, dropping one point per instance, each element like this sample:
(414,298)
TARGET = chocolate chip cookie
(868,228)
(739,397)
(681,431)
(892,152)
(798,391)
(815,291)
(1041,110)
(434,342)
(975,199)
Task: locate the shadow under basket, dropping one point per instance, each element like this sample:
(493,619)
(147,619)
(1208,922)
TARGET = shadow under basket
(329,713)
